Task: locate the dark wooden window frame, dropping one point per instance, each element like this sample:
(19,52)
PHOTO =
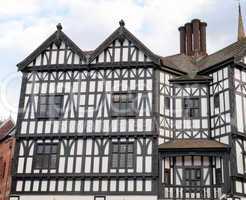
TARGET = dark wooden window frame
(118,156)
(191,179)
(167,176)
(126,99)
(217,100)
(188,111)
(46,156)
(50,106)
(218,176)
(167,102)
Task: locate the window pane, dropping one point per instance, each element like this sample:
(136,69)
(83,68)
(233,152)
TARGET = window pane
(130,161)
(123,148)
(47,149)
(115,147)
(115,160)
(216,101)
(53,161)
(130,148)
(38,161)
(54,148)
(50,106)
(123,104)
(116,98)
(122,160)
(167,102)
(45,161)
(58,100)
(40,149)
(124,98)
(195,103)
(43,99)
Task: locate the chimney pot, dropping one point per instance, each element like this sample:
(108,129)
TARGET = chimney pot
(188,29)
(193,38)
(182,40)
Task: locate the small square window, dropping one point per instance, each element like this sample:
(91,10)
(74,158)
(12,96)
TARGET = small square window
(124,104)
(192,179)
(122,155)
(191,108)
(50,106)
(46,156)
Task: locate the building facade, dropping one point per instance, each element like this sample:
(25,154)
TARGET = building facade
(122,123)
(7,144)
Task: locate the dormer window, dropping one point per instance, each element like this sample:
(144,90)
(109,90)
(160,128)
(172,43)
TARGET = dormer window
(191,108)
(124,104)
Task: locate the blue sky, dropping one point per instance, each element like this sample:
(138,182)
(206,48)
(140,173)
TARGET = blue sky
(26,24)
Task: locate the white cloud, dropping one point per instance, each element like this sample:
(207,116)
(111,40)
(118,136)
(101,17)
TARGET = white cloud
(12,8)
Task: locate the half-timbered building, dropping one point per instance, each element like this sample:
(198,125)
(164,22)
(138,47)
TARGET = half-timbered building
(122,123)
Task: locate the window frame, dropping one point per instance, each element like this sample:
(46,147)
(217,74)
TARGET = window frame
(167,174)
(167,102)
(216,100)
(49,105)
(119,154)
(190,188)
(126,113)
(41,155)
(189,109)
(218,179)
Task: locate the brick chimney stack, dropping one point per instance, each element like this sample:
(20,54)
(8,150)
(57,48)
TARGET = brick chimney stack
(193,38)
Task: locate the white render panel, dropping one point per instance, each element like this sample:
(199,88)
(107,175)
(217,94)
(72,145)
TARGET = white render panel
(239,113)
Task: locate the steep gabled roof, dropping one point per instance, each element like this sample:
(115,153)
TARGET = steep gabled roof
(47,43)
(179,62)
(6,128)
(234,50)
(123,33)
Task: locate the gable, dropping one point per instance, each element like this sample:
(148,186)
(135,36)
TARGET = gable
(122,46)
(52,55)
(118,51)
(58,49)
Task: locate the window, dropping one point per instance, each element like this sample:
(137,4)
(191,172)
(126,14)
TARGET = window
(192,179)
(46,156)
(191,108)
(167,102)
(167,176)
(218,176)
(124,104)
(50,106)
(216,100)
(122,155)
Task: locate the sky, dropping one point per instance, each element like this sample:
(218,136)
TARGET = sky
(26,24)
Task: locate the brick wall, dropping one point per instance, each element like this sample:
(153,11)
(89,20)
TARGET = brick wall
(6,155)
